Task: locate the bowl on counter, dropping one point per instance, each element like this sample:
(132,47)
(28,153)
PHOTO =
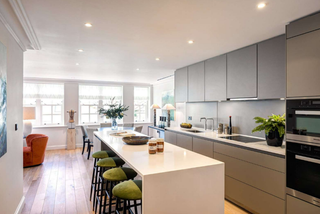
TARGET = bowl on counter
(186,126)
(136,140)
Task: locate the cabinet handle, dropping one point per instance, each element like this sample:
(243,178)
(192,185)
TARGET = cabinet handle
(313,160)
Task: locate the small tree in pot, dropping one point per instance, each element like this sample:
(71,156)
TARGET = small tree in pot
(274,128)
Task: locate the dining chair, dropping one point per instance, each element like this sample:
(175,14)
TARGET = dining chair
(105,125)
(86,140)
(138,129)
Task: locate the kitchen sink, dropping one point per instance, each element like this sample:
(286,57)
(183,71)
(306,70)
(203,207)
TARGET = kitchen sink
(194,131)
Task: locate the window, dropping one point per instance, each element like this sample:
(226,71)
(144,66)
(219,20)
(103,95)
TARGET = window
(48,100)
(141,104)
(92,98)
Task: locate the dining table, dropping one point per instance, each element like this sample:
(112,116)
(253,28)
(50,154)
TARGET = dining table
(174,181)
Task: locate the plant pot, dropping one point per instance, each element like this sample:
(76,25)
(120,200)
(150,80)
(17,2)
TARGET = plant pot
(273,138)
(114,124)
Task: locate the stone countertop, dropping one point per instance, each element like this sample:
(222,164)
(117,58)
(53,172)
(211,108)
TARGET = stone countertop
(260,146)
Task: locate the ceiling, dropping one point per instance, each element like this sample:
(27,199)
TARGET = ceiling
(130,34)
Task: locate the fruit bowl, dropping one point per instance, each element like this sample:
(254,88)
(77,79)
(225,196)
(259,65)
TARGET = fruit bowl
(136,140)
(186,125)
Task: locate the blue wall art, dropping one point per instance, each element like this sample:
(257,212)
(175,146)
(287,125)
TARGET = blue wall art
(3,100)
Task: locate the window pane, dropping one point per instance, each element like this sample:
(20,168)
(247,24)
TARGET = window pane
(93,109)
(85,110)
(84,118)
(93,118)
(46,109)
(51,101)
(46,119)
(89,102)
(57,119)
(29,102)
(56,109)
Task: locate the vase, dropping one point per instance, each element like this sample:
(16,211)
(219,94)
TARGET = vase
(273,138)
(114,124)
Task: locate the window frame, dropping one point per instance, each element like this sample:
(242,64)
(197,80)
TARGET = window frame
(147,112)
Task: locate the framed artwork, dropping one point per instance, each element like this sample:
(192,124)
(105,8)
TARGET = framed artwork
(168,98)
(3,100)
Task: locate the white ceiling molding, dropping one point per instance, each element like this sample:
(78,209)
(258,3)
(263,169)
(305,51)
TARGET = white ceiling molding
(13,34)
(25,22)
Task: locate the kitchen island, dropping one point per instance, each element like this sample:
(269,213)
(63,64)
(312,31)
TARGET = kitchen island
(175,181)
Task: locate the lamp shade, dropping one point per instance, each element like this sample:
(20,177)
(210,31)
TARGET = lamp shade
(29,113)
(154,106)
(168,107)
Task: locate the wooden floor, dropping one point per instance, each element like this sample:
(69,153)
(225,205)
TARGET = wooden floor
(62,185)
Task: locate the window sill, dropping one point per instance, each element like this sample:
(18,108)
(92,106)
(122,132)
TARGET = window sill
(49,126)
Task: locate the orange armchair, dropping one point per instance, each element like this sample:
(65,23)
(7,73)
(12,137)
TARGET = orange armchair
(34,153)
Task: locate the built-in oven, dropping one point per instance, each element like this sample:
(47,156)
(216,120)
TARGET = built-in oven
(303,120)
(303,171)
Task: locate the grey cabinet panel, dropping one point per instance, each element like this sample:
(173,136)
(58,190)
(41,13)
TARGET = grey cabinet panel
(170,137)
(297,206)
(184,141)
(196,82)
(303,65)
(215,78)
(242,73)
(253,199)
(181,85)
(272,68)
(303,25)
(204,147)
(264,160)
(267,180)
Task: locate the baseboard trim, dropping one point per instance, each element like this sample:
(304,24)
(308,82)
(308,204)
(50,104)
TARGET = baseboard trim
(62,147)
(20,206)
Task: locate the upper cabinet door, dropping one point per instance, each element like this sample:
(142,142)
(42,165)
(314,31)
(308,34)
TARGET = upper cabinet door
(303,65)
(242,73)
(215,81)
(181,85)
(272,68)
(196,82)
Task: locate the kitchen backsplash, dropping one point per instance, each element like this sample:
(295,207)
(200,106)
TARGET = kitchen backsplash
(198,110)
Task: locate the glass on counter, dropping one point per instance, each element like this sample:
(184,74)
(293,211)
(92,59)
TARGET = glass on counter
(152,146)
(160,145)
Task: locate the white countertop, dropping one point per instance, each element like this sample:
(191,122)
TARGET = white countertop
(173,158)
(211,135)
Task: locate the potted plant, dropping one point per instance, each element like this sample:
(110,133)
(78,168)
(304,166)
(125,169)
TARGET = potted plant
(274,128)
(114,112)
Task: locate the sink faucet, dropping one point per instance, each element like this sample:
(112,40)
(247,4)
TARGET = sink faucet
(205,122)
(212,122)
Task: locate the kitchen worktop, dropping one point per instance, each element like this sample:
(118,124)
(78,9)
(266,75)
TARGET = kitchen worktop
(260,146)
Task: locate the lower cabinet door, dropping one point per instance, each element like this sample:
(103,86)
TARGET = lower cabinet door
(170,137)
(204,147)
(184,141)
(297,206)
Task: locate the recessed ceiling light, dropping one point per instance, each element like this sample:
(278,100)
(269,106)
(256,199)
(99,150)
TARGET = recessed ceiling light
(77,63)
(138,69)
(80,50)
(88,24)
(261,5)
(190,41)
(157,59)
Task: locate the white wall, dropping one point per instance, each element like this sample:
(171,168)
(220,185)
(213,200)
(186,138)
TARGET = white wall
(11,164)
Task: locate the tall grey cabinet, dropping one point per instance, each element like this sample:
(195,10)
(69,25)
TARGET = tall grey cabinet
(272,68)
(196,82)
(181,85)
(215,78)
(242,73)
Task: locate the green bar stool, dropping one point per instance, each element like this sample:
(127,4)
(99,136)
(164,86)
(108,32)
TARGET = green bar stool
(113,177)
(97,156)
(103,165)
(128,191)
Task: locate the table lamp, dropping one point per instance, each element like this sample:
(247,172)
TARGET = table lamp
(168,107)
(29,113)
(155,107)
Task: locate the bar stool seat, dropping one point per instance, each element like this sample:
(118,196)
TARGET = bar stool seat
(128,190)
(119,174)
(103,154)
(110,162)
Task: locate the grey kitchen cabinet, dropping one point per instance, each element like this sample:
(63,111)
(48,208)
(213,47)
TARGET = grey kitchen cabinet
(181,85)
(170,137)
(196,82)
(215,78)
(297,206)
(303,65)
(304,25)
(184,141)
(272,68)
(203,147)
(252,199)
(242,73)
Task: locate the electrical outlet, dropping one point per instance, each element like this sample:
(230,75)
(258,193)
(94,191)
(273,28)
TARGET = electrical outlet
(190,118)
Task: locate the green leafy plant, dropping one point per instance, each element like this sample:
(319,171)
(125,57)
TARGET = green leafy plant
(273,123)
(114,111)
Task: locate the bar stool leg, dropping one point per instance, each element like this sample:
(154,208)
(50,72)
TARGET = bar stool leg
(95,187)
(135,207)
(110,197)
(92,180)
